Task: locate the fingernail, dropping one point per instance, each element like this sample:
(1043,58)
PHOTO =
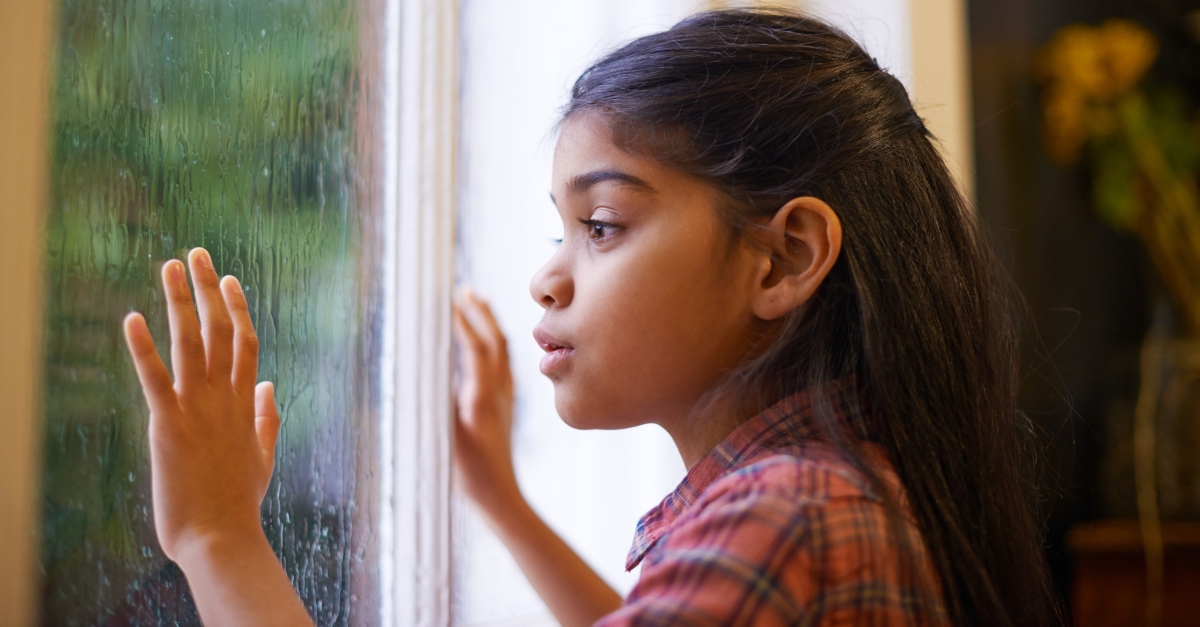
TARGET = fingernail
(132,329)
(175,271)
(202,258)
(236,284)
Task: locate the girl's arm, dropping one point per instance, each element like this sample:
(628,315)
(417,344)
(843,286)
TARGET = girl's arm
(483,460)
(212,449)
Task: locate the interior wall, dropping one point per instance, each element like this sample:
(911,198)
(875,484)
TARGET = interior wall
(923,43)
(24,69)
(941,83)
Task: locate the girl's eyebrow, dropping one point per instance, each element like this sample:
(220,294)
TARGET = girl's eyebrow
(580,183)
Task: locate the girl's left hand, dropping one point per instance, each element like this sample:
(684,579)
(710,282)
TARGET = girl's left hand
(212,430)
(483,420)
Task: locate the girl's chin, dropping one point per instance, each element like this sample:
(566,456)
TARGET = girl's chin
(579,414)
(570,413)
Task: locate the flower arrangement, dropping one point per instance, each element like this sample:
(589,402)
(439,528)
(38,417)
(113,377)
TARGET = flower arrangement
(1143,148)
(1143,152)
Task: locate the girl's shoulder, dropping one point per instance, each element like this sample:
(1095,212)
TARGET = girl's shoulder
(788,537)
(804,476)
(801,500)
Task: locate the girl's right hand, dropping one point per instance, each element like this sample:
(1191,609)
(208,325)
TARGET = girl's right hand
(483,416)
(212,431)
(212,449)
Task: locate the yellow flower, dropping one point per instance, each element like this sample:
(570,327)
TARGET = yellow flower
(1064,123)
(1098,62)
(1129,50)
(1072,60)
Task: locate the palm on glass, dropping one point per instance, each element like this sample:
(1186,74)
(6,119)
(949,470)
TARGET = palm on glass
(212,429)
(483,424)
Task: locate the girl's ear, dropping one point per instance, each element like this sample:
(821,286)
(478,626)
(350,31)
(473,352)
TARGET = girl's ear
(799,247)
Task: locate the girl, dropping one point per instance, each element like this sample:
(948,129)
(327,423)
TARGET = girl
(764,255)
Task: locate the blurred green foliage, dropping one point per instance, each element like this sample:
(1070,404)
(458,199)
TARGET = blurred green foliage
(243,126)
(1160,119)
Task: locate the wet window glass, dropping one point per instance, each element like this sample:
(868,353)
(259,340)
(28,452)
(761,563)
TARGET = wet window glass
(247,127)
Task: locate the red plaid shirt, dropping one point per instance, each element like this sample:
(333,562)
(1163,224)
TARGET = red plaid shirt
(773,527)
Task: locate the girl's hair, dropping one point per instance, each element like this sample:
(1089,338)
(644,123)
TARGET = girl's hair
(917,313)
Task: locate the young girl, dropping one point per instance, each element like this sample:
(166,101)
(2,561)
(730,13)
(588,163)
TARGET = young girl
(763,254)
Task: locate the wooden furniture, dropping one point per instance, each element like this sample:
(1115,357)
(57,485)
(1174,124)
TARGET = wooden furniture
(1109,588)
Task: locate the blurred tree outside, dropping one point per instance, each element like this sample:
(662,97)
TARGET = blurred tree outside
(243,126)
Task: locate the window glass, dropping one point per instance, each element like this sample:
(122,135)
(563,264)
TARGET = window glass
(247,127)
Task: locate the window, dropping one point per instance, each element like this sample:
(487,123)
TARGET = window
(248,127)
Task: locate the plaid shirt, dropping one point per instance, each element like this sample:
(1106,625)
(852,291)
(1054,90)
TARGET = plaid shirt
(775,528)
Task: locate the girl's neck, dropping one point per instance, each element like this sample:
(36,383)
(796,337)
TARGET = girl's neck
(699,431)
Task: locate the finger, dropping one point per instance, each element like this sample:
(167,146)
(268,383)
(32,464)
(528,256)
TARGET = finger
(473,312)
(245,340)
(462,433)
(215,324)
(151,371)
(187,346)
(496,340)
(474,351)
(491,329)
(266,421)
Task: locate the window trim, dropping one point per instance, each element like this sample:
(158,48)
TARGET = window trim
(420,135)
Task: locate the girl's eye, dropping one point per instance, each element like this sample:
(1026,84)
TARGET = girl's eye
(598,229)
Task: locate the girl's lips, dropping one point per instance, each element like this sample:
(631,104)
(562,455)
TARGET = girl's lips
(554,359)
(547,341)
(557,351)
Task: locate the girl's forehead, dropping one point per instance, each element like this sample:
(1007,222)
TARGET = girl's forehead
(587,158)
(586,154)
(586,134)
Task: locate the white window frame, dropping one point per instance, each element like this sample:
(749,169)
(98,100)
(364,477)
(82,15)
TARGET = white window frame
(421,64)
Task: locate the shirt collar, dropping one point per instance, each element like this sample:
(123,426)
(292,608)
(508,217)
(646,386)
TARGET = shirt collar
(787,424)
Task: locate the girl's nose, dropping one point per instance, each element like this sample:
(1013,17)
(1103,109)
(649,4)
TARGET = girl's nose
(551,286)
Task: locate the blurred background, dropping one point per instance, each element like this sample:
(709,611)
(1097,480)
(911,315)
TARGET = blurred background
(1085,130)
(259,129)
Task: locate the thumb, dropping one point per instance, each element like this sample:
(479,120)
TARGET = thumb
(266,421)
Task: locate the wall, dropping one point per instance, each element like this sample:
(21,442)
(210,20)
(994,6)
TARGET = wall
(24,68)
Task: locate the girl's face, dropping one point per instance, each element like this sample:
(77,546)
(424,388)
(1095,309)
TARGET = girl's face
(646,304)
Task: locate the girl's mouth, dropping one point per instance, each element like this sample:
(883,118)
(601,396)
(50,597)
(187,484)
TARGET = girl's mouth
(554,359)
(557,352)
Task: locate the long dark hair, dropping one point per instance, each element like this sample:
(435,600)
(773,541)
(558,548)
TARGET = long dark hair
(768,106)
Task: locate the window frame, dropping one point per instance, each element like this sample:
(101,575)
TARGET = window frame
(421,63)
